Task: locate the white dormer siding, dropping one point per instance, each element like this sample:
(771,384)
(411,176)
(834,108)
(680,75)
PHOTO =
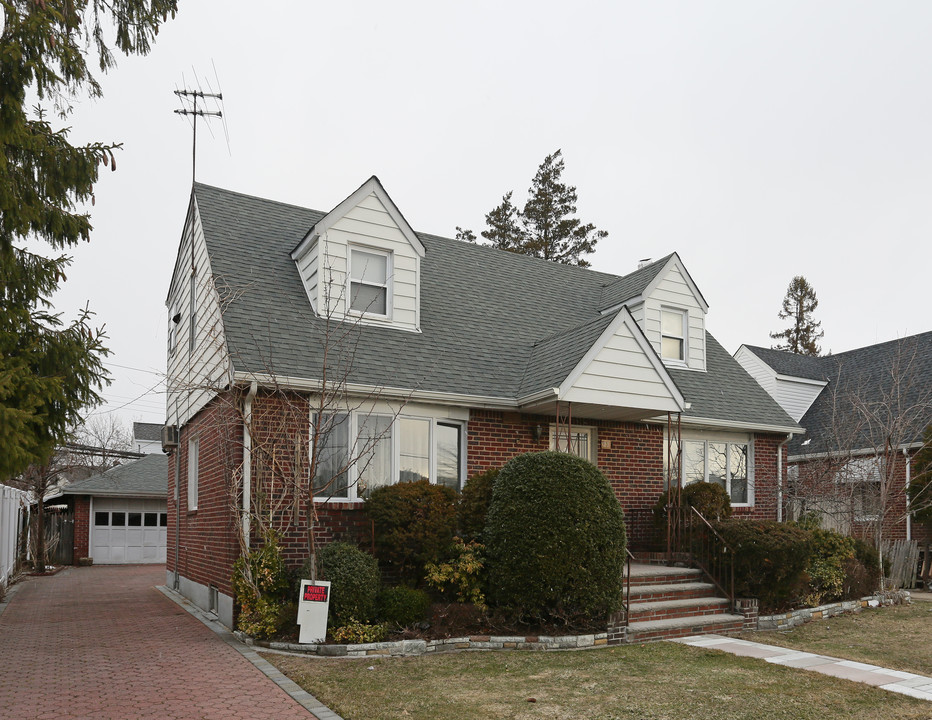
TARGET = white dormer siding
(675,293)
(794,394)
(361,262)
(198,363)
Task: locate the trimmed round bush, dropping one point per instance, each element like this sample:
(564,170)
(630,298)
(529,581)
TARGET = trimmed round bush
(473,507)
(354,582)
(710,499)
(414,525)
(402,606)
(555,540)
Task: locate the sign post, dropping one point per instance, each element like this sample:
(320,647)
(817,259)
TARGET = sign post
(313,606)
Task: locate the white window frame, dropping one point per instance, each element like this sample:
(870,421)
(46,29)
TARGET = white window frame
(194,445)
(683,337)
(863,471)
(356,417)
(728,439)
(587,430)
(387,254)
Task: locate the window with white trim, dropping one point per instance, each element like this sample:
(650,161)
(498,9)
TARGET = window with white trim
(581,441)
(723,460)
(386,450)
(369,282)
(193,461)
(863,476)
(673,334)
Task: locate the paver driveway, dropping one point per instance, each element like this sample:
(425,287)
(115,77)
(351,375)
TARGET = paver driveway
(102,642)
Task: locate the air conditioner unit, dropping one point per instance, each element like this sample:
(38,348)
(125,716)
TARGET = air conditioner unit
(169,437)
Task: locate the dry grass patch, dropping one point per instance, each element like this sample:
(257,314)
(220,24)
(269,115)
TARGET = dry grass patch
(898,637)
(645,682)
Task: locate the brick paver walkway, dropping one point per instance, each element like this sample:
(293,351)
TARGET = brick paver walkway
(102,642)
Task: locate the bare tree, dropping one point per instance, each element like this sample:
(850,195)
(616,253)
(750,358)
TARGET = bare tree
(873,423)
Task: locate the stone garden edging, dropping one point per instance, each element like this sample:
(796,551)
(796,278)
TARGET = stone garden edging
(408,648)
(794,618)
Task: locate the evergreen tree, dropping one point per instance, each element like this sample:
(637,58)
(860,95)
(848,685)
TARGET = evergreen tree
(798,305)
(545,227)
(49,369)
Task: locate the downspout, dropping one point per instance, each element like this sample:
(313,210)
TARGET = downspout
(780,477)
(176,582)
(909,519)
(247,460)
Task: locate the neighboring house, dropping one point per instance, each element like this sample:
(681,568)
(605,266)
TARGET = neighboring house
(147,438)
(449,358)
(120,515)
(864,412)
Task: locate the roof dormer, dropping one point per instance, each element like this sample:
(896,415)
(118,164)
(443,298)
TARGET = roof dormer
(361,262)
(668,306)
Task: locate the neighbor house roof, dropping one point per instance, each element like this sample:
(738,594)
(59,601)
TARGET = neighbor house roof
(146,477)
(147,431)
(892,379)
(493,324)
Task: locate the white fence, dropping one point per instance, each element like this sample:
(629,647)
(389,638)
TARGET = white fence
(11,504)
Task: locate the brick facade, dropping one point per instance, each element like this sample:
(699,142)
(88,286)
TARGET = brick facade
(82,527)
(629,454)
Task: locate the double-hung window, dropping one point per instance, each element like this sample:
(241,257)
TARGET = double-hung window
(725,462)
(360,452)
(579,442)
(370,272)
(673,335)
(193,459)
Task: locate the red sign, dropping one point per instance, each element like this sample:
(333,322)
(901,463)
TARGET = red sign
(315,593)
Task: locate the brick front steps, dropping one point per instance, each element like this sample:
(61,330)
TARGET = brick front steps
(672,602)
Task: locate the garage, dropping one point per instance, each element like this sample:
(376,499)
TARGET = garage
(128,531)
(120,516)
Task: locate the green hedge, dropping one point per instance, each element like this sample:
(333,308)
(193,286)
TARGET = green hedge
(414,525)
(473,508)
(770,560)
(555,540)
(401,606)
(354,582)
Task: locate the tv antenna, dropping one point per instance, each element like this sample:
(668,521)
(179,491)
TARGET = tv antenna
(197,103)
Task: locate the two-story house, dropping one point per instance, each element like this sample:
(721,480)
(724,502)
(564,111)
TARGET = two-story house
(442,358)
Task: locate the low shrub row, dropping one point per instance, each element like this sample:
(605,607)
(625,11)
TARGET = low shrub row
(786,565)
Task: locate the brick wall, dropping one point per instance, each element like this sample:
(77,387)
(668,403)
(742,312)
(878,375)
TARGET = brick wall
(82,520)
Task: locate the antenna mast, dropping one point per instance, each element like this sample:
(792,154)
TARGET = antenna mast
(193,110)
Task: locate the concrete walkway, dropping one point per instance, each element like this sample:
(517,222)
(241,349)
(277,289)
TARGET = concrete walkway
(103,642)
(917,686)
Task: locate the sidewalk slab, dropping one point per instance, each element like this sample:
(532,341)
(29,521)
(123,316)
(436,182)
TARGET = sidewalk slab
(917,686)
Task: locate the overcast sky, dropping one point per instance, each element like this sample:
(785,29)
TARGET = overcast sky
(759,140)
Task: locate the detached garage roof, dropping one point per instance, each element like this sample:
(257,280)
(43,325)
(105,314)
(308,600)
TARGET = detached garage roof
(146,477)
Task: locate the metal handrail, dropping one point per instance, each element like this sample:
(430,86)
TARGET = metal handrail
(710,553)
(627,600)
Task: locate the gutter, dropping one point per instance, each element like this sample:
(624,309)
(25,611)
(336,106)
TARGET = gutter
(247,460)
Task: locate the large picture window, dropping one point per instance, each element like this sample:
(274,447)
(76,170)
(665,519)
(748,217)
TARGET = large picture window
(385,450)
(725,462)
(369,282)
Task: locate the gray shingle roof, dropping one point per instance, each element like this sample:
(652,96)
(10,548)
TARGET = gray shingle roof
(493,323)
(789,363)
(147,431)
(891,379)
(632,285)
(146,477)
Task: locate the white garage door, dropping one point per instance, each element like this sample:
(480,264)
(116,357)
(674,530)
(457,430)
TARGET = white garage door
(128,531)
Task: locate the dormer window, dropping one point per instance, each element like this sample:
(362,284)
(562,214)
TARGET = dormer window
(673,335)
(369,290)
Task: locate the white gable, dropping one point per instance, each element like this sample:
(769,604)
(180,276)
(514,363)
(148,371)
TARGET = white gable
(674,290)
(621,376)
(794,394)
(368,229)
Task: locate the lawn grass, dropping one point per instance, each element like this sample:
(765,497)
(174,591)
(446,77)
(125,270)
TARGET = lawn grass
(898,637)
(642,682)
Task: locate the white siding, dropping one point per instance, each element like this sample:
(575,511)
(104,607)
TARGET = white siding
(759,370)
(194,374)
(796,397)
(621,375)
(673,291)
(323,266)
